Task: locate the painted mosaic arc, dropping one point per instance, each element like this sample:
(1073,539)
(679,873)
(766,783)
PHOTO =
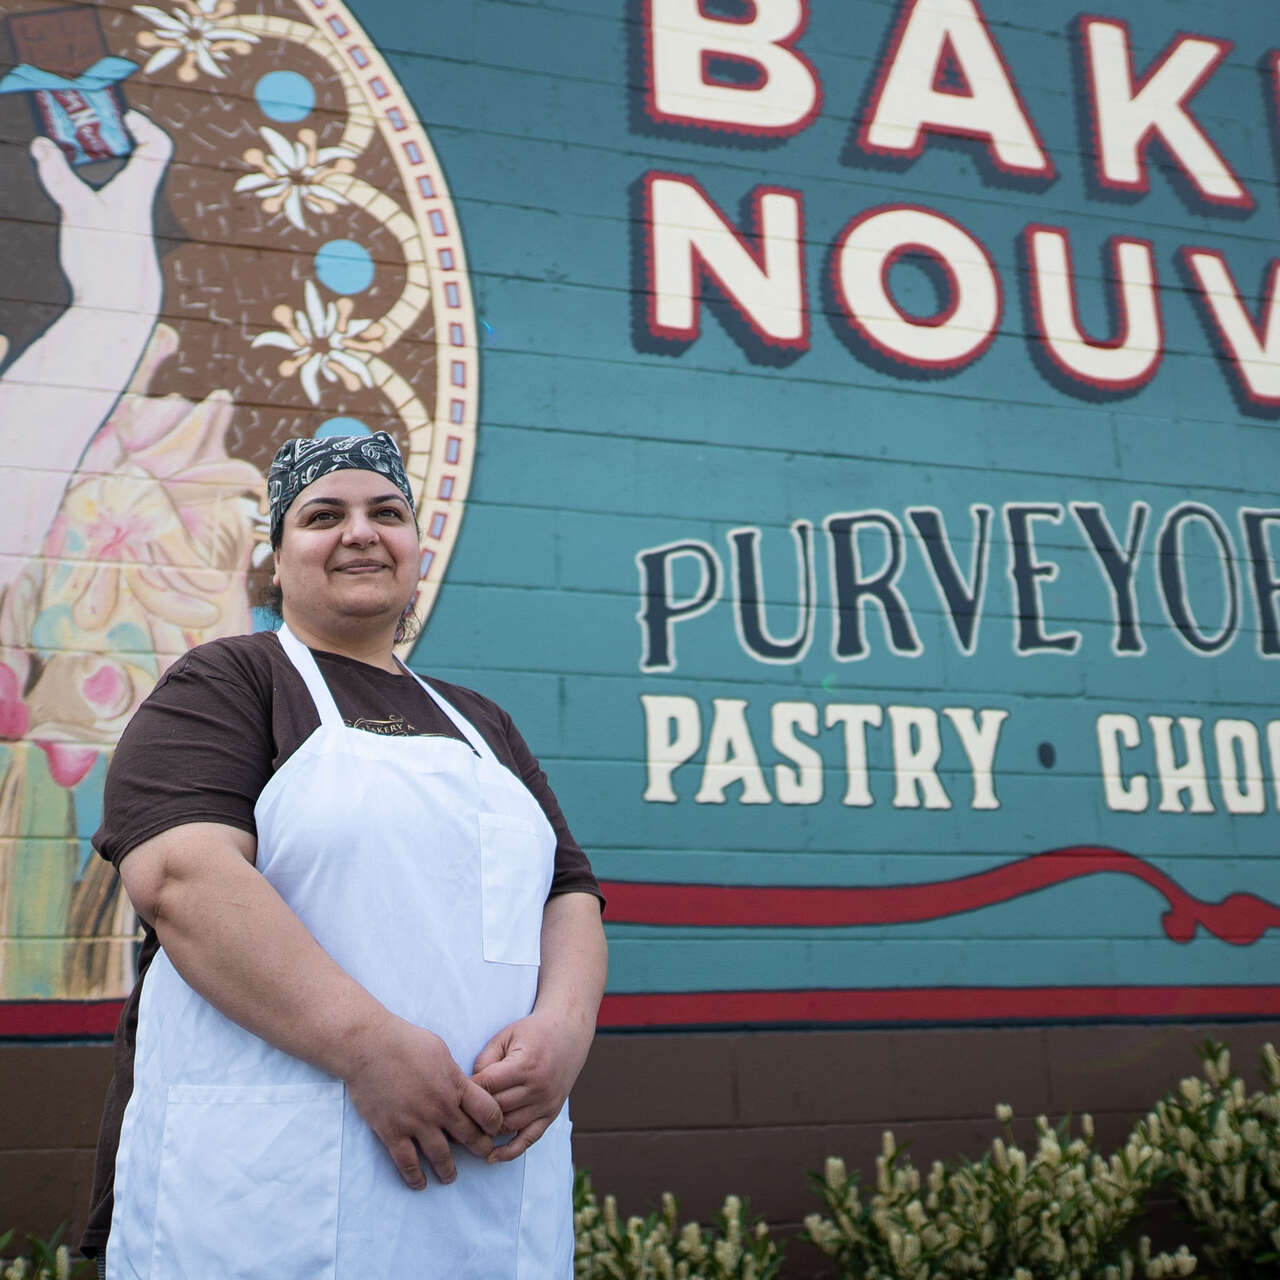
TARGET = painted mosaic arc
(226,227)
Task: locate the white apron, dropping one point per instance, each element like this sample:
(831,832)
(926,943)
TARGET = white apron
(421,864)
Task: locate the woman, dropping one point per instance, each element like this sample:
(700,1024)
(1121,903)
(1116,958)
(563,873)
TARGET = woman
(381,948)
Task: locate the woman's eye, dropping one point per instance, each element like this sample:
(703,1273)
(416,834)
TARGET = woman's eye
(393,513)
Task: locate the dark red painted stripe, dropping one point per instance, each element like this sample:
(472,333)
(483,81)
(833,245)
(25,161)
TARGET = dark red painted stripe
(935,1004)
(63,1019)
(68,1019)
(1240,918)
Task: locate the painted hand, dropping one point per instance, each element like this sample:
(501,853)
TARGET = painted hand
(106,235)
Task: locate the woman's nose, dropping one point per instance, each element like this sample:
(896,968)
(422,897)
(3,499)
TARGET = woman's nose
(360,530)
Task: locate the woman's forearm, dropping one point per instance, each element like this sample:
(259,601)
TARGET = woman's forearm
(575,959)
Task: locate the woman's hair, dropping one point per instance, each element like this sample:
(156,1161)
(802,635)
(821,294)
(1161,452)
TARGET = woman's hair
(271,598)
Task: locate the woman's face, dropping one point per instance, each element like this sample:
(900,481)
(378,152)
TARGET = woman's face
(348,554)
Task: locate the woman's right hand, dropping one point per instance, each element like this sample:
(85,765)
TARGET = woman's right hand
(416,1099)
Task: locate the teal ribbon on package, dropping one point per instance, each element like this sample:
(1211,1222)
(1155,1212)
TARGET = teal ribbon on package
(83,114)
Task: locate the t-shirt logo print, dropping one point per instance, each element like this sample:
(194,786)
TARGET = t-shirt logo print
(391,727)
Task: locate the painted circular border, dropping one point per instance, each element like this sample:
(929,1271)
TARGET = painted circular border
(441,452)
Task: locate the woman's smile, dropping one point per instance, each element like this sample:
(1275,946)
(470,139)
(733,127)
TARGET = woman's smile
(362,566)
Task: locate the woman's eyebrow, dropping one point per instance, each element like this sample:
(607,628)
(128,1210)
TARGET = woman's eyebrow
(394,496)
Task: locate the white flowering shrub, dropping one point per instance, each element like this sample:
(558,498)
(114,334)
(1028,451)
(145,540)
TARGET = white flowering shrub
(657,1248)
(46,1260)
(1222,1154)
(1057,1214)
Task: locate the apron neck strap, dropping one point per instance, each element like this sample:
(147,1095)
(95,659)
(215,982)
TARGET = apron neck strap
(465,727)
(305,661)
(309,670)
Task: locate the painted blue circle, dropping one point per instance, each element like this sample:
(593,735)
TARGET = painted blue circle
(342,427)
(344,266)
(265,619)
(285,96)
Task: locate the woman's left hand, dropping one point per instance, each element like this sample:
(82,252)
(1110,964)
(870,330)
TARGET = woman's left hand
(531,1064)
(529,1068)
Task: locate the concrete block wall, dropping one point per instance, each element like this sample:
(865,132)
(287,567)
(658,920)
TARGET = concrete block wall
(711,1114)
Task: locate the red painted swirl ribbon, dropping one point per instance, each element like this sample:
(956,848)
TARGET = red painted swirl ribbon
(1239,918)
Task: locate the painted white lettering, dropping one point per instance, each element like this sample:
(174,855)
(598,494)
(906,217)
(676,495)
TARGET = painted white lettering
(1189,776)
(690,237)
(672,731)
(731,757)
(1127,360)
(1114,730)
(908,101)
(1239,753)
(917,747)
(1126,117)
(961,331)
(979,736)
(801,782)
(856,718)
(1253,350)
(780,95)
(1273,754)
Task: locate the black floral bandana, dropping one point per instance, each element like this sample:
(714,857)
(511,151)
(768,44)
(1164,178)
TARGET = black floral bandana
(301,460)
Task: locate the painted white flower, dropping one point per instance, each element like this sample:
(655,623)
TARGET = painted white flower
(293,175)
(323,341)
(193,34)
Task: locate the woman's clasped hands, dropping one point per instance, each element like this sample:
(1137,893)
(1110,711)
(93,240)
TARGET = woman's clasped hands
(418,1101)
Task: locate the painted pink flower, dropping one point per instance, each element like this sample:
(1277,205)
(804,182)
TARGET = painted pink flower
(69,763)
(14,716)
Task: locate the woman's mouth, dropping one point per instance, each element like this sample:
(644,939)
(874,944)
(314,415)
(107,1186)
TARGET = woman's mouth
(362,566)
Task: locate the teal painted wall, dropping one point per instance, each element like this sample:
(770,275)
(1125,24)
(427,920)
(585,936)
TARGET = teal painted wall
(1010,879)
(597,445)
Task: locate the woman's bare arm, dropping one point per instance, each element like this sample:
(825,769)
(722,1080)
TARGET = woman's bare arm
(235,941)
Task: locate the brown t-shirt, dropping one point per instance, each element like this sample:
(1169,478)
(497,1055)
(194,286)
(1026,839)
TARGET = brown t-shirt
(217,726)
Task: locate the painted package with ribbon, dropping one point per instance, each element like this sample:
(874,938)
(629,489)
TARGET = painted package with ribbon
(71,82)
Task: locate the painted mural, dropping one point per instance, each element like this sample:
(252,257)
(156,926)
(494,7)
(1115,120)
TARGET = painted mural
(225,227)
(874,527)
(1033,673)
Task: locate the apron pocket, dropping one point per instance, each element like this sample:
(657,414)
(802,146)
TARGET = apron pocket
(546,1210)
(515,874)
(249,1182)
